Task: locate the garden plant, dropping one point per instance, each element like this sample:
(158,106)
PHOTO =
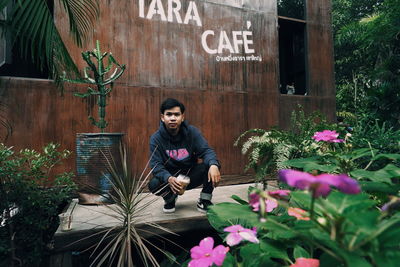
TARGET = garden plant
(268,150)
(118,244)
(331,210)
(103,75)
(31,196)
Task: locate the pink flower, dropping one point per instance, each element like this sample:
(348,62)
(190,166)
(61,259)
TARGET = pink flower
(279,194)
(321,184)
(298,213)
(304,262)
(239,233)
(327,136)
(204,255)
(270,204)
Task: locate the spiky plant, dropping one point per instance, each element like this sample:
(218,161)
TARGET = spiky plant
(118,243)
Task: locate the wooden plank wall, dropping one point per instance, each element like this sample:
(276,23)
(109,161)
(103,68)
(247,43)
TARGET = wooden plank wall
(166,59)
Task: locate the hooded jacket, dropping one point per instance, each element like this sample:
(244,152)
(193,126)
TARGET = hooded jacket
(170,154)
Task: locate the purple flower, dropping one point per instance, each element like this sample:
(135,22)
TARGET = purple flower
(342,182)
(327,136)
(237,233)
(270,204)
(321,184)
(392,205)
(204,255)
(305,181)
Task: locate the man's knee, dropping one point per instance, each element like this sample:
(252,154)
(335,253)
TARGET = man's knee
(155,186)
(158,188)
(201,169)
(198,175)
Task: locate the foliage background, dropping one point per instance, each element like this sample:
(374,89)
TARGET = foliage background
(367,59)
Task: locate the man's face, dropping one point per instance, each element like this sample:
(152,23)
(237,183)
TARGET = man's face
(173,119)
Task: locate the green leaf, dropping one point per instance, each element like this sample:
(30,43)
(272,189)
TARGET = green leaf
(339,203)
(250,251)
(278,230)
(354,260)
(239,200)
(364,221)
(224,214)
(252,255)
(361,152)
(384,228)
(350,258)
(372,187)
(390,238)
(82,95)
(229,261)
(383,175)
(300,252)
(303,226)
(301,199)
(274,249)
(327,260)
(382,258)
(310,164)
(387,156)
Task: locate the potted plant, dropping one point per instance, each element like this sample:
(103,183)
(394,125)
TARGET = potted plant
(101,72)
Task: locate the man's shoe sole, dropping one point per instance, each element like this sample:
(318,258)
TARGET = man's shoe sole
(201,210)
(168,210)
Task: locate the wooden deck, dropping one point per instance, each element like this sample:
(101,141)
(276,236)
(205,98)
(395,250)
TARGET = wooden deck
(89,220)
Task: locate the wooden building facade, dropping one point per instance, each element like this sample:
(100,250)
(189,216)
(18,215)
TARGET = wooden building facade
(228,61)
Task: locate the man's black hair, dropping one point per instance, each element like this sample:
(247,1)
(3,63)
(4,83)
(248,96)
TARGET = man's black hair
(171,103)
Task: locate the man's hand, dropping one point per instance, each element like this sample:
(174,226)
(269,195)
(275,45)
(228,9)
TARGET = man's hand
(174,184)
(214,175)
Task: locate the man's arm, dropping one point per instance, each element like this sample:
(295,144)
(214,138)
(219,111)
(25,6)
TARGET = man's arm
(156,163)
(209,157)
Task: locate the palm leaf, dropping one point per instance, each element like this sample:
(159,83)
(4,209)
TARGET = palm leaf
(31,24)
(82,15)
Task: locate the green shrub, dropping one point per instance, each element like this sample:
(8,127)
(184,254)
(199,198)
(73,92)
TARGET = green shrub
(369,132)
(379,134)
(337,230)
(34,196)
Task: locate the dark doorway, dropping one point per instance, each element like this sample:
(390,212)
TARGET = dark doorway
(292,63)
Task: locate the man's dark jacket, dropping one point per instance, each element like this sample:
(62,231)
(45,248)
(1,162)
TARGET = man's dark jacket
(170,154)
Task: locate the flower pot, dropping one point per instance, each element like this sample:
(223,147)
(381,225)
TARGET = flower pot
(94,153)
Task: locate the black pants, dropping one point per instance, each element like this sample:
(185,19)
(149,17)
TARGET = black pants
(198,176)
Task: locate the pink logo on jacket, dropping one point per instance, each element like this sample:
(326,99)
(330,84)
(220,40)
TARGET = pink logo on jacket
(178,154)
